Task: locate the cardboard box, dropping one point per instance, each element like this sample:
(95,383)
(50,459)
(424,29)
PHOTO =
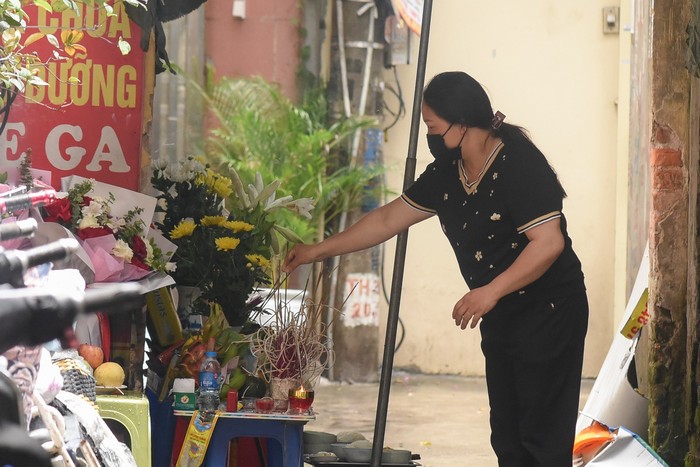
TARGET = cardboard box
(628,450)
(613,401)
(185,401)
(163,323)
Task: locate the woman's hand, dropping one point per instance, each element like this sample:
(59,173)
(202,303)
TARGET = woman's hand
(475,304)
(298,255)
(372,229)
(545,244)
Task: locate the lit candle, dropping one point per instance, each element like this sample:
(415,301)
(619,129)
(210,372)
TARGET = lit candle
(300,400)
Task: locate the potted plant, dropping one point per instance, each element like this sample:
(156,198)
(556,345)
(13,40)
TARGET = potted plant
(261,131)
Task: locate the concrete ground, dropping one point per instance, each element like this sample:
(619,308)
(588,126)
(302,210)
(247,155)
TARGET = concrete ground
(445,419)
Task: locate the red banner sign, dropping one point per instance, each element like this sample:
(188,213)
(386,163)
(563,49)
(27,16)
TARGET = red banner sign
(92,127)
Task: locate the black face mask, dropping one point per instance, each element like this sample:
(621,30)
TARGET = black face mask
(441,153)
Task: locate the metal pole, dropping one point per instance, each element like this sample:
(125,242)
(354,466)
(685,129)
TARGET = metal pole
(401,242)
(341,57)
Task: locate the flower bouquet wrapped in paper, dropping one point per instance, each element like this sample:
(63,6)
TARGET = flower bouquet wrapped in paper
(112,225)
(225,232)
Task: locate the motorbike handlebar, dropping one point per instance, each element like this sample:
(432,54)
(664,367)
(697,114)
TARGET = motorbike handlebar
(32,316)
(23,228)
(14,263)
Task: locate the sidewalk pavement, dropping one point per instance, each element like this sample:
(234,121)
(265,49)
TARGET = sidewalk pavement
(445,419)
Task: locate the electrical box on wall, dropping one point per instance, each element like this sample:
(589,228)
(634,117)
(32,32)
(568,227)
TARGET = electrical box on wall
(611,20)
(238,10)
(398,39)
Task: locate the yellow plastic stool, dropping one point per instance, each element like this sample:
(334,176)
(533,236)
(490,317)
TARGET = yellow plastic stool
(131,410)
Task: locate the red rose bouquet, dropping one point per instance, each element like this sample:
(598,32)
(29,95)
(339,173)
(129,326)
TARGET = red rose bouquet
(117,246)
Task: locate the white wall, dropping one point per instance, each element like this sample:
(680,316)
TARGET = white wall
(548,66)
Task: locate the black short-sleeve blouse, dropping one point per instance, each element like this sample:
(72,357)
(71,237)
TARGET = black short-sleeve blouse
(485,221)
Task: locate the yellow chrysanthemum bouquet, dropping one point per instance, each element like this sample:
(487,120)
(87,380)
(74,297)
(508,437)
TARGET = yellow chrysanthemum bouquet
(225,232)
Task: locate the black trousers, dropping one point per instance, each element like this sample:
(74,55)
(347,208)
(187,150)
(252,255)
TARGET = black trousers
(533,372)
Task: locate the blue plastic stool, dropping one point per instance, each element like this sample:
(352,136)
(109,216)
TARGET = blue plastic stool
(284,448)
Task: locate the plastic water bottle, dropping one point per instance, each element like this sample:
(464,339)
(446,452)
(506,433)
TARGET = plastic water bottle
(209,376)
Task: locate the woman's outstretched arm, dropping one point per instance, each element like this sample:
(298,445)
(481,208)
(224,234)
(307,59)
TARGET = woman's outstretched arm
(375,227)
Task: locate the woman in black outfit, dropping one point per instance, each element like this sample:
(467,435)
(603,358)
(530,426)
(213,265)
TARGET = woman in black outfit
(500,206)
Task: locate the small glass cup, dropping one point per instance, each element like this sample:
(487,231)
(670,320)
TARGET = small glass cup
(264,405)
(248,404)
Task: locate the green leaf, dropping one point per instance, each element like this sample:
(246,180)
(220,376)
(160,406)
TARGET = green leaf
(124,46)
(71,4)
(53,40)
(43,4)
(24,73)
(33,38)
(60,7)
(37,81)
(19,84)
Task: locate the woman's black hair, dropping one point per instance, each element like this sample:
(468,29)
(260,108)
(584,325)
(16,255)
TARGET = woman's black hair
(458,98)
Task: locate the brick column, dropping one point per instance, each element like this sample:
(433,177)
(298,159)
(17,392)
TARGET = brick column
(668,240)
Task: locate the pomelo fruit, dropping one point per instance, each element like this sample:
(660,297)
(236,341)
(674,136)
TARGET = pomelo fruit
(109,374)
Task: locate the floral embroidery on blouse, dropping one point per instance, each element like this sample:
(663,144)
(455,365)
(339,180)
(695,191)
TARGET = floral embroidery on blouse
(514,245)
(495,216)
(495,175)
(478,256)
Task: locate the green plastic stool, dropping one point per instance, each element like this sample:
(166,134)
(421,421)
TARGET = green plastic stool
(131,410)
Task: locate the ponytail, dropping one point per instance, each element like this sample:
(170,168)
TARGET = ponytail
(516,136)
(512,134)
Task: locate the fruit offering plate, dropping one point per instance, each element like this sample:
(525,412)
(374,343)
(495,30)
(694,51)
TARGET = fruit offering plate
(313,460)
